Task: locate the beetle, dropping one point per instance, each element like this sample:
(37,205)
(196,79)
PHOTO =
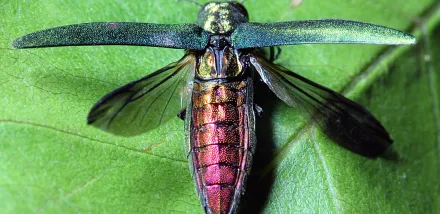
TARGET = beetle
(214,84)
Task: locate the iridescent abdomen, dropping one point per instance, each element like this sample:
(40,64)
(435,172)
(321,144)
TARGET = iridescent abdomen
(220,142)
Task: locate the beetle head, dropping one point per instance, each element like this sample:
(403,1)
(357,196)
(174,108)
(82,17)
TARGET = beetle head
(221,17)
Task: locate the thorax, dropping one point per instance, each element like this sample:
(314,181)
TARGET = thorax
(219,60)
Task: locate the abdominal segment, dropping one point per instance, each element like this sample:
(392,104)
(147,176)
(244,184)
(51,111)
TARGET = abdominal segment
(219,141)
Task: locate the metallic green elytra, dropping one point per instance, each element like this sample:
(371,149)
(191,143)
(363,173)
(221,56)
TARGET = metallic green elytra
(212,88)
(226,18)
(249,35)
(186,36)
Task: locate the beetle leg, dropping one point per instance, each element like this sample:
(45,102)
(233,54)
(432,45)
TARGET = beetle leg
(182,114)
(273,55)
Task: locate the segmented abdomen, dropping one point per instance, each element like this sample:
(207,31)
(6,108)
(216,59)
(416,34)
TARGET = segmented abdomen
(219,143)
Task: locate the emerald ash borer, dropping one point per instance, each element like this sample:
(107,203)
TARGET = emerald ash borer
(212,86)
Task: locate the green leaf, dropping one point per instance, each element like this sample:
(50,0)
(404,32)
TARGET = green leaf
(52,162)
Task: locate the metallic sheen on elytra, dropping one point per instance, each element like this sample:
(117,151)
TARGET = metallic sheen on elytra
(212,88)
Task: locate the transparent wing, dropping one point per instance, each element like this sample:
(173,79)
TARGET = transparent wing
(343,120)
(146,103)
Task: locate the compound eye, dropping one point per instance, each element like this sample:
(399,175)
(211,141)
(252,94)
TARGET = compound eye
(241,9)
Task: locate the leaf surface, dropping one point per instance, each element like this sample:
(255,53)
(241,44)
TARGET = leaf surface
(52,162)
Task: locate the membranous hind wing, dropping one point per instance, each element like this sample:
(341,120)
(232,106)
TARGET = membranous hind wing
(146,103)
(343,120)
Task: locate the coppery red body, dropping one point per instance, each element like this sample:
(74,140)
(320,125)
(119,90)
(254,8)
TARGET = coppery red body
(221,129)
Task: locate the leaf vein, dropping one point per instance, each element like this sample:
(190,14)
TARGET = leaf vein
(432,84)
(84,137)
(331,187)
